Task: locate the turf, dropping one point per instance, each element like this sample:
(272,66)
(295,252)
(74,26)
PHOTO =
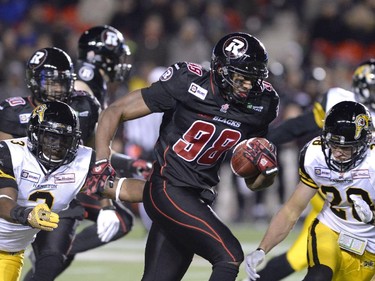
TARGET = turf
(123,259)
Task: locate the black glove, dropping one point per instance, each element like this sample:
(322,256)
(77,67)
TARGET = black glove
(100,173)
(264,157)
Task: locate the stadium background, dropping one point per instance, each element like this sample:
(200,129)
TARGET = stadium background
(312,44)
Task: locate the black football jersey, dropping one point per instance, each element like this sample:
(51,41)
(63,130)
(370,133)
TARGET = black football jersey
(15,114)
(90,74)
(199,126)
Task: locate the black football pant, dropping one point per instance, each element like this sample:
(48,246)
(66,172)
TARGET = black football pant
(54,251)
(184,225)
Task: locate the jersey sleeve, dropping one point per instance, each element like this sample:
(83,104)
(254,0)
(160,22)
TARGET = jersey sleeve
(11,114)
(172,86)
(87,108)
(294,128)
(304,175)
(7,178)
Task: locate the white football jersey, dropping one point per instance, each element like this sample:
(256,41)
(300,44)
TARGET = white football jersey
(338,212)
(56,189)
(336,95)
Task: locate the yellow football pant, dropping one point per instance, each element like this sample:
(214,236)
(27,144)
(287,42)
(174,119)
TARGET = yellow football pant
(11,265)
(323,248)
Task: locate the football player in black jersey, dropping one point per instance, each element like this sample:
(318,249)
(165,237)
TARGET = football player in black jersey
(50,76)
(206,113)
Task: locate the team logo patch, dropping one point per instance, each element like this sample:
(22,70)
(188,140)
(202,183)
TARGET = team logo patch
(30,176)
(24,118)
(224,108)
(360,174)
(322,172)
(65,178)
(86,73)
(167,74)
(197,91)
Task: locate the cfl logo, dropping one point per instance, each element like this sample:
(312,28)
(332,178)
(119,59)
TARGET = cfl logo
(236,47)
(111,39)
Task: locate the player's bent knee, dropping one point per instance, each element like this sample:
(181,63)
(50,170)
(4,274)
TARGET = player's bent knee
(319,273)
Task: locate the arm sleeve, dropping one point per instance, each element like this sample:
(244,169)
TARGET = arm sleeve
(7,178)
(294,128)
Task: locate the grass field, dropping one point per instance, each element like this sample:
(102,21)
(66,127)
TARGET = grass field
(123,259)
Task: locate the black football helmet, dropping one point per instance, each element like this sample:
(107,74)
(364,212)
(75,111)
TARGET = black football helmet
(104,46)
(364,83)
(50,75)
(348,126)
(53,134)
(239,54)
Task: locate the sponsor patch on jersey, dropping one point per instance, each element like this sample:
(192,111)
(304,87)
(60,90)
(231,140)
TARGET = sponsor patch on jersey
(86,73)
(30,176)
(65,178)
(361,174)
(167,74)
(14,101)
(322,172)
(197,91)
(24,118)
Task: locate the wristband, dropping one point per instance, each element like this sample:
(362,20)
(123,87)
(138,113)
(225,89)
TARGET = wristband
(260,249)
(6,196)
(20,214)
(118,190)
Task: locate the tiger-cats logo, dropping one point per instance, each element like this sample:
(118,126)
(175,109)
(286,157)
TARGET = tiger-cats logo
(39,111)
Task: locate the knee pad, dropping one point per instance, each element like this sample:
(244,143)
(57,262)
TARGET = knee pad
(319,273)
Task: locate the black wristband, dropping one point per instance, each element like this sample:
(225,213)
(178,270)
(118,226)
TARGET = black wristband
(20,214)
(260,249)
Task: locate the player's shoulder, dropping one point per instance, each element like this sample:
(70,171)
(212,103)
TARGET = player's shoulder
(14,102)
(85,71)
(183,71)
(81,99)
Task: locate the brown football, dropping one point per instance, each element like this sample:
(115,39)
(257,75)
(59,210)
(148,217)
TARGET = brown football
(242,166)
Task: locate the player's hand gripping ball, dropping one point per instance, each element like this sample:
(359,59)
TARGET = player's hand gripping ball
(254,156)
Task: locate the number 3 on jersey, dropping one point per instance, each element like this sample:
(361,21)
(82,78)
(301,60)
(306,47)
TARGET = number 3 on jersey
(193,143)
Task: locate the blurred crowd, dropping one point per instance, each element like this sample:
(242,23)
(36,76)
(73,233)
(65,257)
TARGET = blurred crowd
(313,44)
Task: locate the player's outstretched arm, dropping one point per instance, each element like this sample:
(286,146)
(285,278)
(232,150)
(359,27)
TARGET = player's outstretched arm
(129,107)
(280,226)
(125,189)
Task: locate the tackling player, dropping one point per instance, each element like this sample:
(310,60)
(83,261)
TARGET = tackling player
(39,175)
(363,87)
(50,76)
(341,239)
(206,113)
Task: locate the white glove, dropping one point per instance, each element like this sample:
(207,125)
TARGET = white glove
(254,259)
(362,208)
(108,225)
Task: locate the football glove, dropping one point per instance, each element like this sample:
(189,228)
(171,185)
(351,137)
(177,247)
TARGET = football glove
(142,168)
(100,173)
(362,208)
(108,224)
(262,157)
(39,217)
(254,259)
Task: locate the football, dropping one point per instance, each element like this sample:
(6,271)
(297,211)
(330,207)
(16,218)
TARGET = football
(249,160)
